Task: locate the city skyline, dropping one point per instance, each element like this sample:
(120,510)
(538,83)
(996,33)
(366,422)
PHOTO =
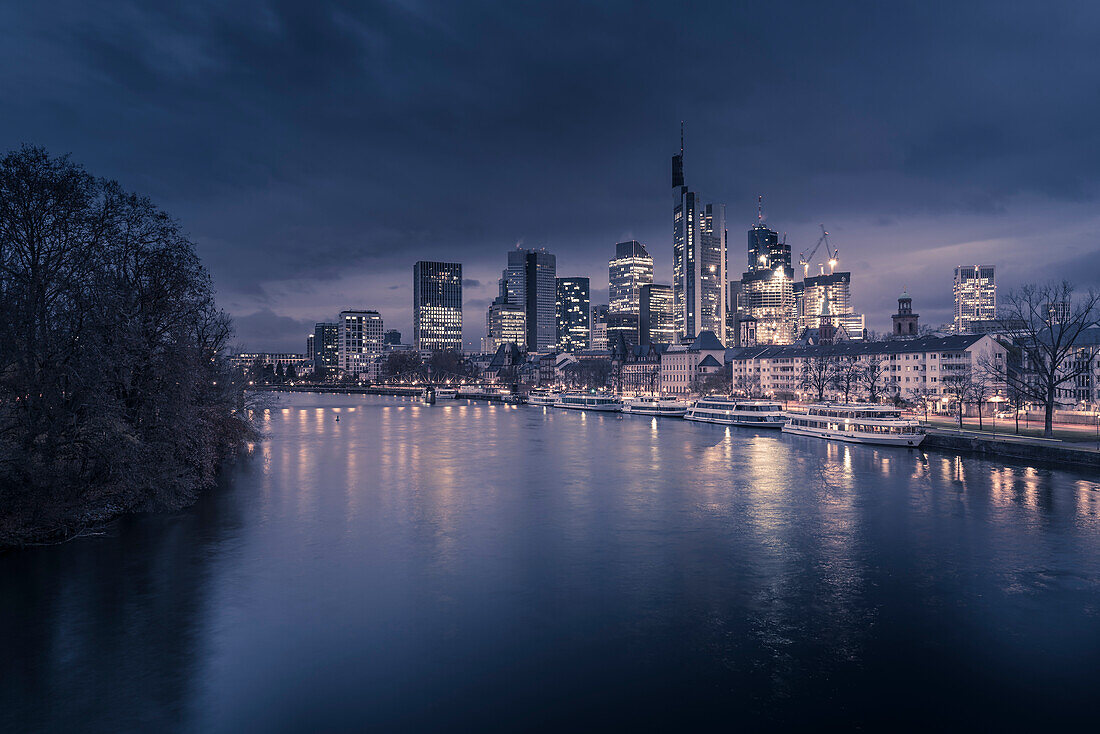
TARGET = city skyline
(914,166)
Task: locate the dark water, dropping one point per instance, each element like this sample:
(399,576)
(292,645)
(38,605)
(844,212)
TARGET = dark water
(468,567)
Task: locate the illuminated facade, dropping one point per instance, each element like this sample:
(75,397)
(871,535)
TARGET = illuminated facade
(599,327)
(326,348)
(628,271)
(504,323)
(360,339)
(698,260)
(530,280)
(624,325)
(656,322)
(573,314)
(768,297)
(975,295)
(437,305)
(827,294)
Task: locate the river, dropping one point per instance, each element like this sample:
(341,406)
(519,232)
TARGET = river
(489,567)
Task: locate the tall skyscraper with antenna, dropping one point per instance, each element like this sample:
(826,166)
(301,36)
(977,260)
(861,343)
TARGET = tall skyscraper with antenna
(699,286)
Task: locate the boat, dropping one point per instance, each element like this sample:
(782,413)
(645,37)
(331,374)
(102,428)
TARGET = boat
(732,412)
(873,424)
(445,393)
(659,406)
(589,401)
(542,397)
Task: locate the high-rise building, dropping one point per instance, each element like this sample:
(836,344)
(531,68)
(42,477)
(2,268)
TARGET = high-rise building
(768,296)
(698,259)
(573,312)
(975,295)
(326,348)
(505,323)
(624,325)
(392,336)
(360,339)
(530,280)
(829,294)
(656,323)
(309,348)
(627,272)
(437,305)
(599,326)
(768,308)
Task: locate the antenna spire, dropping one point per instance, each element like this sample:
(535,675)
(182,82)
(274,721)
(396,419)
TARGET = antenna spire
(681,138)
(760,210)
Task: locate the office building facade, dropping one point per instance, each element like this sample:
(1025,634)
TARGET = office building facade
(975,291)
(656,323)
(698,260)
(326,348)
(505,323)
(360,340)
(437,305)
(627,272)
(573,314)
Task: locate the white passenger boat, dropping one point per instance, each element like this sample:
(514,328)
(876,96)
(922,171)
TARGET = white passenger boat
(731,412)
(874,424)
(445,393)
(659,406)
(542,397)
(589,401)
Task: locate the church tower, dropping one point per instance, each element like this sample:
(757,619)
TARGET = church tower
(905,321)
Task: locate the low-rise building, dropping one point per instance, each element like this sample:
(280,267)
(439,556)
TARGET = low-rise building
(682,365)
(921,368)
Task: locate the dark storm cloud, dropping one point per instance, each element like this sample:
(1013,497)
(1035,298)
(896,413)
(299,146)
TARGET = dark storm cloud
(315,151)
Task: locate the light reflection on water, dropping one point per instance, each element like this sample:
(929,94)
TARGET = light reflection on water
(488,566)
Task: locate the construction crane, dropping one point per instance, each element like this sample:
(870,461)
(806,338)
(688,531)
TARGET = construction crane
(805,259)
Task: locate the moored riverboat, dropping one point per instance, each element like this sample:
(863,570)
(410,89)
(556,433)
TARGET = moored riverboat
(871,424)
(666,407)
(542,397)
(731,412)
(589,401)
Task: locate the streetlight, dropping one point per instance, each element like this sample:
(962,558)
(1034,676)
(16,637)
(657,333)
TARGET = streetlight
(998,400)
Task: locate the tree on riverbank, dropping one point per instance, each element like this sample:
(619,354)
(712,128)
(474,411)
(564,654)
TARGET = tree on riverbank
(1046,321)
(114,392)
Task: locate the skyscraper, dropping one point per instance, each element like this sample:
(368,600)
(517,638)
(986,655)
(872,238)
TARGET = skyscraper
(437,305)
(831,294)
(573,307)
(767,289)
(326,348)
(698,259)
(628,271)
(530,280)
(599,326)
(975,295)
(656,323)
(505,323)
(360,339)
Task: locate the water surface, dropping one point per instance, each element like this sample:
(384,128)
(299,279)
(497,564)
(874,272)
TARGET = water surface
(479,567)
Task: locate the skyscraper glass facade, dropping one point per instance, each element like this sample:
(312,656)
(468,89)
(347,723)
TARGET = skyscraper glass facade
(573,307)
(437,305)
(628,271)
(975,295)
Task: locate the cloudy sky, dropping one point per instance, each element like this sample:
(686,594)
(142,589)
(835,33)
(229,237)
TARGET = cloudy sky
(315,150)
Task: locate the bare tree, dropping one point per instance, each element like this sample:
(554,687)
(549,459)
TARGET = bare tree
(817,373)
(958,384)
(1046,321)
(872,377)
(846,375)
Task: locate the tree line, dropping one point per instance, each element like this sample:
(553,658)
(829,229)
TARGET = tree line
(115,393)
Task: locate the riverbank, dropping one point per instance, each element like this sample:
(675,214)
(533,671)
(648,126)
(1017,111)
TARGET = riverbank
(1016,448)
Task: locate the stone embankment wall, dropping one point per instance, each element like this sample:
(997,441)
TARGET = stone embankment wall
(1022,450)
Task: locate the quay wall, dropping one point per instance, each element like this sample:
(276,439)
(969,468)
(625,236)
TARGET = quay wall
(1010,449)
